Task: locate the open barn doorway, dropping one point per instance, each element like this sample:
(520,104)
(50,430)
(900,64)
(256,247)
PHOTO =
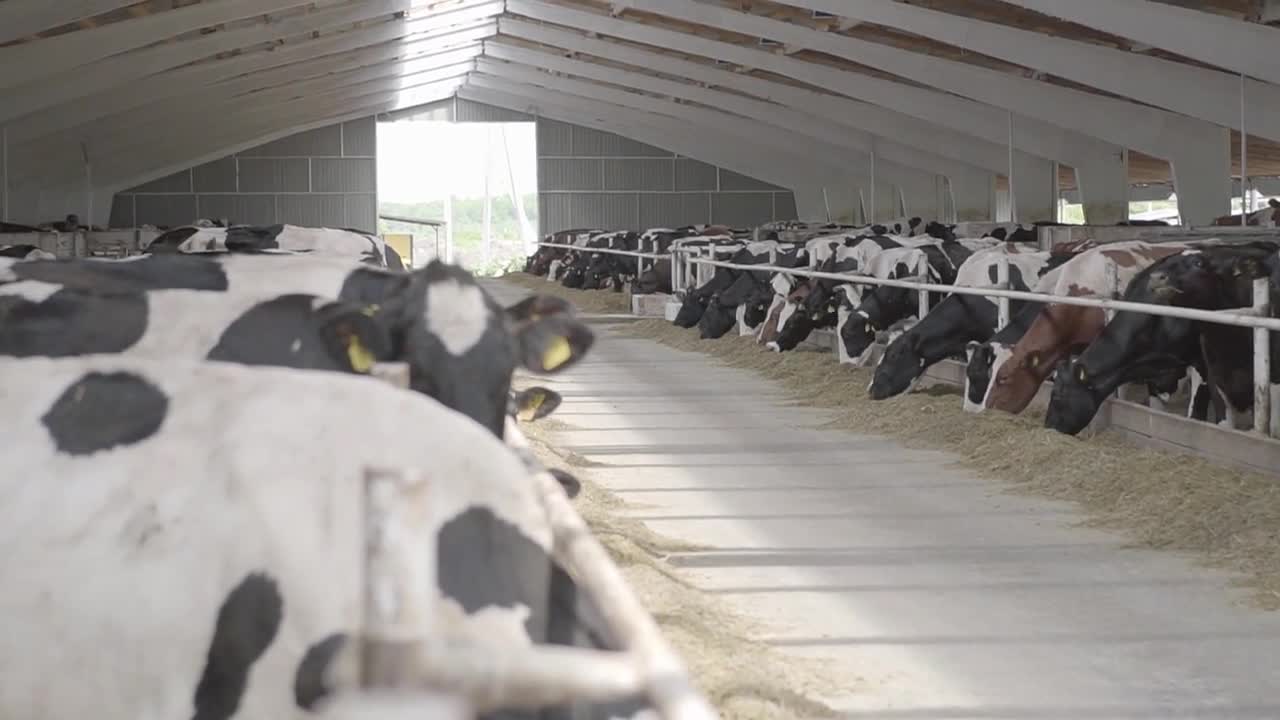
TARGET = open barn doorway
(466,192)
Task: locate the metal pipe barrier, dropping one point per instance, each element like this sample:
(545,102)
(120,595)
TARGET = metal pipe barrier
(406,663)
(1255,317)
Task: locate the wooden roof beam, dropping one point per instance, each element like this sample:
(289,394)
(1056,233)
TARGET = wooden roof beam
(33,61)
(1198,92)
(23,18)
(1240,47)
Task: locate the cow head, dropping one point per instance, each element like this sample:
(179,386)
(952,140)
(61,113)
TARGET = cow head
(462,347)
(902,364)
(1056,330)
(794,324)
(533,403)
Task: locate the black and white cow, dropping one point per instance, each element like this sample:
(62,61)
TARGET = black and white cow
(192,536)
(695,301)
(461,346)
(813,303)
(748,291)
(957,320)
(291,238)
(882,307)
(25,252)
(1141,348)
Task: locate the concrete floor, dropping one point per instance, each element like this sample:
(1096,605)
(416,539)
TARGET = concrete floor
(940,597)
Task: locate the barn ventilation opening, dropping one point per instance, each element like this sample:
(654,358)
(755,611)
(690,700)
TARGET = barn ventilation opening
(465,192)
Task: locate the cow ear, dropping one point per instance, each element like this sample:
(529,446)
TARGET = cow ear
(551,344)
(353,338)
(536,307)
(536,403)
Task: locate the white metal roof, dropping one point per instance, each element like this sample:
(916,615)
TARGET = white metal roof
(140,89)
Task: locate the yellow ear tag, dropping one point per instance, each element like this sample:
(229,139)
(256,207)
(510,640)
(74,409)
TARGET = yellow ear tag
(370,310)
(361,359)
(557,354)
(527,412)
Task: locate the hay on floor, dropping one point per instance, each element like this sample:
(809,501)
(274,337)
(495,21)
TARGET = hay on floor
(587,301)
(1225,517)
(745,680)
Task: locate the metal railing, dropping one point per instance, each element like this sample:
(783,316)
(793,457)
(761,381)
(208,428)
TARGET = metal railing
(404,662)
(1256,317)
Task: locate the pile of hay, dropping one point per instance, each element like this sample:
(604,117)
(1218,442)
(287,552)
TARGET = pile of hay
(1227,518)
(589,301)
(745,680)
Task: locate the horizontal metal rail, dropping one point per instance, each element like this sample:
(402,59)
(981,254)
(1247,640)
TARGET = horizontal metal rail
(1244,317)
(609,251)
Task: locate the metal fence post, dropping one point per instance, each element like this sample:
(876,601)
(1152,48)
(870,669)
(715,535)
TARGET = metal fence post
(1262,359)
(1111,281)
(1002,282)
(922,270)
(675,269)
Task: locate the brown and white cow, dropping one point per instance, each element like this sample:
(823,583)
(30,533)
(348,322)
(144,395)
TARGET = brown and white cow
(1018,373)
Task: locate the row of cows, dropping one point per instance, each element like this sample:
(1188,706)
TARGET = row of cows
(1208,366)
(187,434)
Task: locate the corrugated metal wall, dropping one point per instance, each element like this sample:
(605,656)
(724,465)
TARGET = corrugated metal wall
(588,178)
(325,177)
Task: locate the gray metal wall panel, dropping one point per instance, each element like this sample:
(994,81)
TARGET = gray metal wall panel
(554,212)
(218,176)
(239,209)
(784,206)
(360,138)
(635,174)
(730,181)
(289,170)
(311,210)
(694,175)
(604,210)
(569,174)
(166,209)
(176,183)
(321,142)
(347,175)
(674,209)
(741,209)
(122,211)
(618,146)
(469,111)
(588,142)
(362,212)
(554,138)
(275,175)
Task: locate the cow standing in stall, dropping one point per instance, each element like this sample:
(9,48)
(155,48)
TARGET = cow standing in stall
(1137,347)
(1058,329)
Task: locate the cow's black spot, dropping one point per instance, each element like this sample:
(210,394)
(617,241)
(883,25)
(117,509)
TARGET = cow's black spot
(570,483)
(71,322)
(247,624)
(17,251)
(287,332)
(394,262)
(485,561)
(308,682)
(168,242)
(366,285)
(242,238)
(1015,276)
(150,272)
(103,410)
